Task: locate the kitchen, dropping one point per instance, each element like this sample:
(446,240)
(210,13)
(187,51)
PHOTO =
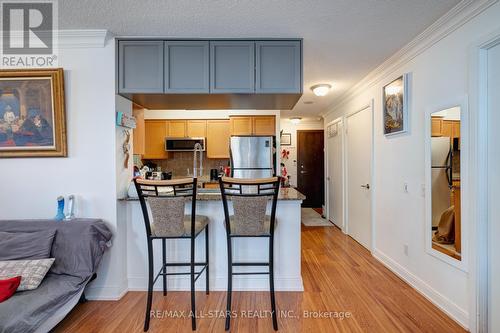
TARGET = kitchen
(207,109)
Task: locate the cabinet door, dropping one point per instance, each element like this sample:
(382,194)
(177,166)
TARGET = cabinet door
(139,136)
(155,132)
(264,125)
(177,128)
(436,126)
(447,128)
(196,128)
(278,67)
(218,134)
(241,125)
(140,67)
(232,67)
(186,67)
(456,129)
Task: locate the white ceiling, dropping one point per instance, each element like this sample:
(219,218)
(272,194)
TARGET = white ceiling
(343,39)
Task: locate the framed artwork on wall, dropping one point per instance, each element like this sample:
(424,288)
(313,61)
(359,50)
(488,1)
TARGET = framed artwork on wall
(32,113)
(395,106)
(286,139)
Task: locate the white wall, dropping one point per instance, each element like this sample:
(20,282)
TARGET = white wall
(30,186)
(288,127)
(439,73)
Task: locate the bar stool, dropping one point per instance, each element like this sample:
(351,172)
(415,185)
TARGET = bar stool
(164,201)
(249,219)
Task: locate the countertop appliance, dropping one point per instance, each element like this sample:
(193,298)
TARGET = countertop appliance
(183,144)
(251,156)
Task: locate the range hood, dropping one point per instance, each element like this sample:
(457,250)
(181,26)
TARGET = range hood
(215,101)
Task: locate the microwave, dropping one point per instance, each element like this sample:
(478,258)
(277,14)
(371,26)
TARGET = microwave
(183,144)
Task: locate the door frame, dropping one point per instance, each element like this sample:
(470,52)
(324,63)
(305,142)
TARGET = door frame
(339,120)
(324,165)
(370,106)
(478,117)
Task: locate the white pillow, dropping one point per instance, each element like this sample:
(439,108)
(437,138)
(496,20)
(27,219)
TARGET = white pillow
(32,272)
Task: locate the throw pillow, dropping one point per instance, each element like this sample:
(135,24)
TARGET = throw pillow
(8,287)
(26,245)
(31,271)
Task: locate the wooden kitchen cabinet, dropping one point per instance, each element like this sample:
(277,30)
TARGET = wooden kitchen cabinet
(176,129)
(447,128)
(241,125)
(196,128)
(257,125)
(264,125)
(155,132)
(218,135)
(436,126)
(138,136)
(456,129)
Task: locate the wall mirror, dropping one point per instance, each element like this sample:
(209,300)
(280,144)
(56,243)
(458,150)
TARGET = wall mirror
(445,229)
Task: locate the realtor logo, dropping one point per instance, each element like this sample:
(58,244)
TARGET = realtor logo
(28,33)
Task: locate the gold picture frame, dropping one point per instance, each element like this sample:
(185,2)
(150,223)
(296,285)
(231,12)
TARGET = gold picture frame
(32,113)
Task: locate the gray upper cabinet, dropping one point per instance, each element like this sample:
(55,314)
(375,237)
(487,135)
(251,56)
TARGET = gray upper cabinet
(186,67)
(278,67)
(232,67)
(140,67)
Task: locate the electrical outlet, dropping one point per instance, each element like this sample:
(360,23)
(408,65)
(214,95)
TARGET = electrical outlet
(422,190)
(405,247)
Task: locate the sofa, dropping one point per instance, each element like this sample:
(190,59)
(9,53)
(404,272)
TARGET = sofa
(78,247)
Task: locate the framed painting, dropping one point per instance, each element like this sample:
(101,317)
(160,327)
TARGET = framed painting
(286,139)
(395,108)
(32,113)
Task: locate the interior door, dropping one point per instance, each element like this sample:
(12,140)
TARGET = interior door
(358,156)
(335,176)
(310,167)
(493,188)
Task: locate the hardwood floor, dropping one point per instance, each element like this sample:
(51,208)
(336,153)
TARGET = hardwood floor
(341,279)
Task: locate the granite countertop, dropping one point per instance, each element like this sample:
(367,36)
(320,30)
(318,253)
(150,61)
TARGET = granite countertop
(287,193)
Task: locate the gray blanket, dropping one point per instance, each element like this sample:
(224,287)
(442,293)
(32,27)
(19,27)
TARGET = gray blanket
(78,248)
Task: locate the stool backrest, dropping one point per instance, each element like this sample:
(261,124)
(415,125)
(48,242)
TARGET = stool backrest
(249,198)
(166,200)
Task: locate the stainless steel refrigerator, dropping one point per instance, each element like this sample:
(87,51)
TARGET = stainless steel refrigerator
(251,156)
(441,176)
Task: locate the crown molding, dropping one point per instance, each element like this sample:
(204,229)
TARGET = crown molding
(455,18)
(68,39)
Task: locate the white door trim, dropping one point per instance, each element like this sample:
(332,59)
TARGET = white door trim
(478,263)
(369,106)
(339,120)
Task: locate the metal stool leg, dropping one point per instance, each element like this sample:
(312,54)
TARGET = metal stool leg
(229,282)
(207,276)
(193,307)
(163,246)
(150,285)
(271,282)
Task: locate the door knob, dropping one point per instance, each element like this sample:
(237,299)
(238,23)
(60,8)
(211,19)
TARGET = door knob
(367,186)
(303,172)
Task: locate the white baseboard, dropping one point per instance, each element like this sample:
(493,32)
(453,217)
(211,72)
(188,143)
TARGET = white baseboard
(451,309)
(257,283)
(105,293)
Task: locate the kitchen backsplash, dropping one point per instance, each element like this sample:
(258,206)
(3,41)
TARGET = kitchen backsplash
(181,161)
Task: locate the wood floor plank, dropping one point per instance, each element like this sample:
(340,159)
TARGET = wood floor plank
(340,277)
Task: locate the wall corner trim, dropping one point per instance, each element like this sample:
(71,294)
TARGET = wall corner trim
(455,18)
(446,305)
(95,38)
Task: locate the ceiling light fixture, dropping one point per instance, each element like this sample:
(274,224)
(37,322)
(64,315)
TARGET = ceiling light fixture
(321,89)
(295,120)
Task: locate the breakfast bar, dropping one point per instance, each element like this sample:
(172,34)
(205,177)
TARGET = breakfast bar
(209,203)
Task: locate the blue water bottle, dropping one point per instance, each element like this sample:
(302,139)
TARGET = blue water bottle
(60,209)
